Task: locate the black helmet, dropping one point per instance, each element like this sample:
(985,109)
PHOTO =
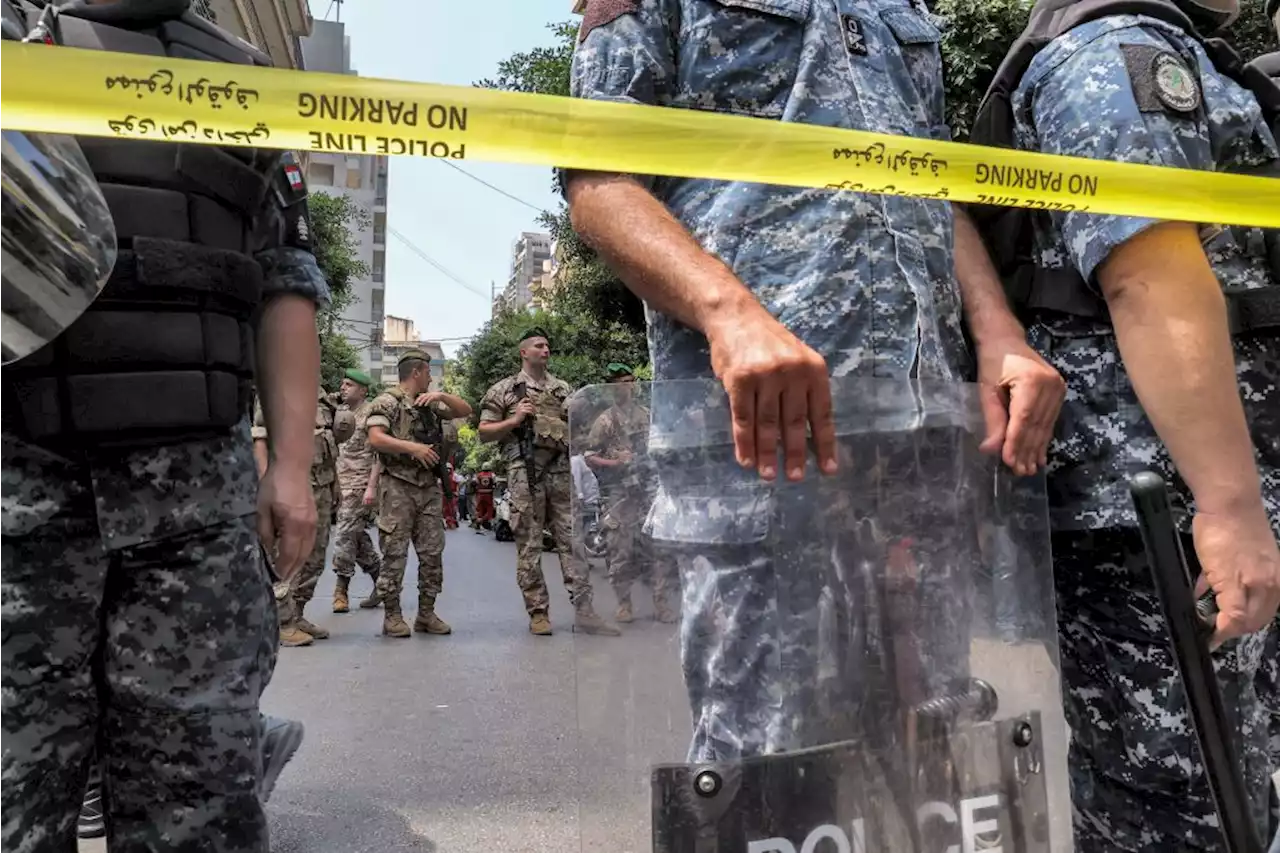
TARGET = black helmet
(59,242)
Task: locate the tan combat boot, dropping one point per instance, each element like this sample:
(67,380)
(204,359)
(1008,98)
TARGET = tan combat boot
(374,600)
(663,612)
(291,636)
(624,614)
(393,624)
(341,604)
(428,622)
(539,624)
(588,621)
(310,627)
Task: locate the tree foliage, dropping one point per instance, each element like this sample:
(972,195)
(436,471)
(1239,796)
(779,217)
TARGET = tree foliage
(334,221)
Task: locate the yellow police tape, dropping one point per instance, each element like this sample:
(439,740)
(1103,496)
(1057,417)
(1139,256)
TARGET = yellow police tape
(88,92)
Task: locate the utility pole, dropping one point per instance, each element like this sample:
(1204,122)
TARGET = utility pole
(493,299)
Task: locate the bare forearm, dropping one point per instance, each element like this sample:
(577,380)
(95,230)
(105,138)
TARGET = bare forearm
(1171,326)
(497,430)
(653,254)
(373,475)
(288,377)
(380,441)
(458,407)
(986,309)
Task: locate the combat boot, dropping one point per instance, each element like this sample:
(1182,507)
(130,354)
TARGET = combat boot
(310,627)
(393,624)
(624,614)
(587,621)
(374,600)
(292,635)
(539,624)
(341,604)
(663,612)
(429,623)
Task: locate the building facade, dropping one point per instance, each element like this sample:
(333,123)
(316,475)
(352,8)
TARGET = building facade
(399,335)
(530,251)
(363,179)
(273,26)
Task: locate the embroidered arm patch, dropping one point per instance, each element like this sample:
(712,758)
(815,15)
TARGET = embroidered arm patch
(1161,80)
(601,12)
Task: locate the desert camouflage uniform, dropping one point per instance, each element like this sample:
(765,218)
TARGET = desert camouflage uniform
(352,545)
(292,595)
(549,504)
(626,494)
(865,280)
(1138,783)
(410,508)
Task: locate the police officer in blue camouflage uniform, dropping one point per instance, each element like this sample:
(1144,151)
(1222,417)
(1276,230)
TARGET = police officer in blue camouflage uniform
(774,289)
(138,619)
(1168,335)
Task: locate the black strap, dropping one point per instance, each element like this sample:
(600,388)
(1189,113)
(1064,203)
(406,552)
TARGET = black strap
(1254,311)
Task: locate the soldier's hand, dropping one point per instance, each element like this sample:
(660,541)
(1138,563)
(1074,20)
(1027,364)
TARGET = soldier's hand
(428,398)
(524,409)
(778,388)
(1021,397)
(369,496)
(1241,564)
(286,517)
(426,454)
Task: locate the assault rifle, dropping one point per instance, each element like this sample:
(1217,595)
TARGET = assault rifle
(1191,624)
(429,429)
(524,440)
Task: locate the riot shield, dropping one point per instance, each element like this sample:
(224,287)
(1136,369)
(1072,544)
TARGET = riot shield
(59,241)
(859,663)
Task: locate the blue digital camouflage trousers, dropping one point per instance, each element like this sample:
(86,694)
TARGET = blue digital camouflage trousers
(1137,780)
(155,655)
(816,613)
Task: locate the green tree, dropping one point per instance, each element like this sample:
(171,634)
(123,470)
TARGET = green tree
(333,218)
(975,38)
(588,287)
(1253,33)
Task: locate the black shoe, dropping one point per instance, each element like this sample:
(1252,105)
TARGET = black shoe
(93,823)
(280,740)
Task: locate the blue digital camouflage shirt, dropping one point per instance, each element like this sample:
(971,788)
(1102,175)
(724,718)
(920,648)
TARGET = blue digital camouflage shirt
(1134,89)
(866,281)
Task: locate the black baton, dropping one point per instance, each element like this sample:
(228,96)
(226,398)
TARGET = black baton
(1191,624)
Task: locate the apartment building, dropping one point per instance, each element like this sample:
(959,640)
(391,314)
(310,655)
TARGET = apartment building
(363,179)
(273,26)
(399,334)
(530,251)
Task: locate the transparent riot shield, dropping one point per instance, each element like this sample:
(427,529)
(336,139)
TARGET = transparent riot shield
(858,663)
(59,241)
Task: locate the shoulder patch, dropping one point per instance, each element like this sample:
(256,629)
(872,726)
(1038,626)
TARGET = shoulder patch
(601,12)
(1161,80)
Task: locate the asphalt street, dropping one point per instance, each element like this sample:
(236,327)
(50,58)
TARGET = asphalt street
(492,739)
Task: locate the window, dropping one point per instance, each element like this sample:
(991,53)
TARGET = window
(380,192)
(380,226)
(375,306)
(353,177)
(320,174)
(379,264)
(204,10)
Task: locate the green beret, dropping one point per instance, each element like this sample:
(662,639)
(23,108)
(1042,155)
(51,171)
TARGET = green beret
(411,354)
(617,370)
(535,332)
(359,377)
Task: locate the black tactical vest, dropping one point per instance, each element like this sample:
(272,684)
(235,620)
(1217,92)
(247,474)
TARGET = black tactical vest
(1008,231)
(166,351)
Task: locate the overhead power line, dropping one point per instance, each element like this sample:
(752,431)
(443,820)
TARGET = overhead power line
(498,190)
(443,270)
